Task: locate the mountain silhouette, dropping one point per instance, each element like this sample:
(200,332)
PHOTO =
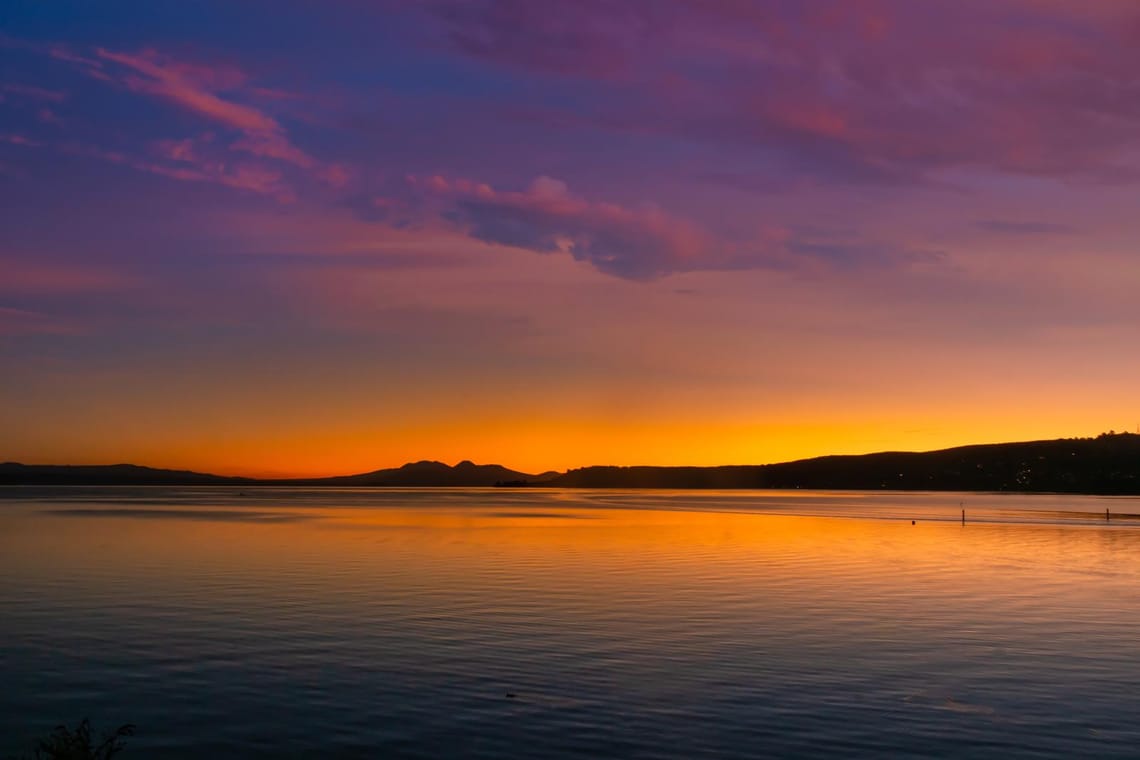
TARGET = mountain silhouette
(14,473)
(431,473)
(1107,464)
(414,474)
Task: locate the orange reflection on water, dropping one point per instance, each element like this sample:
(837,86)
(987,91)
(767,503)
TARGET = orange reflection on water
(442,601)
(657,556)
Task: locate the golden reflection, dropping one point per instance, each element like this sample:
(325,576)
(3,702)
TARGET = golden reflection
(659,551)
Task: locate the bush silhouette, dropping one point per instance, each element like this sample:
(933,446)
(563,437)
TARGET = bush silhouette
(64,743)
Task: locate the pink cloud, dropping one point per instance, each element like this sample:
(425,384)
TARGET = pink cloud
(811,118)
(255,179)
(192,166)
(181,150)
(274,145)
(189,88)
(195,164)
(64,53)
(195,87)
(14,139)
(857,88)
(638,243)
(336,175)
(212,92)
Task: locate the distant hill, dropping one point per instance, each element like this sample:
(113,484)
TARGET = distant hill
(13,473)
(429,473)
(1107,464)
(424,473)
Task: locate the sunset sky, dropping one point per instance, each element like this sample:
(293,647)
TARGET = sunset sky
(293,237)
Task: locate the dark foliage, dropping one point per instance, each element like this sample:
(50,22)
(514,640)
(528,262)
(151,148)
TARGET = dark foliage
(64,743)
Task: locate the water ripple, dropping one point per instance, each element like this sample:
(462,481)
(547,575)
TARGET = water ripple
(491,623)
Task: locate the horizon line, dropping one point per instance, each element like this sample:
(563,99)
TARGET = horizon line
(268,477)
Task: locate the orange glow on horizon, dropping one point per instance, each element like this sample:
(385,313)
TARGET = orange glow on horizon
(247,259)
(554,445)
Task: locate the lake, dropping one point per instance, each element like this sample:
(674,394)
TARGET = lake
(482,623)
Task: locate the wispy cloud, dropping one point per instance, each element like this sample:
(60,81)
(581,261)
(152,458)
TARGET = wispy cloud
(547,218)
(220,95)
(635,243)
(33,93)
(212,92)
(196,88)
(184,163)
(852,256)
(1008,227)
(867,91)
(189,90)
(15,139)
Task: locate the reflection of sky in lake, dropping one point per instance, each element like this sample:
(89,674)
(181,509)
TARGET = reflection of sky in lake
(357,622)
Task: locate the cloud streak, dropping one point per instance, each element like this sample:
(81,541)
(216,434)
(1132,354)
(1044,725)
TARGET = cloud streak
(548,218)
(875,90)
(195,88)
(171,81)
(186,165)
(1007,227)
(15,139)
(31,92)
(633,243)
(214,93)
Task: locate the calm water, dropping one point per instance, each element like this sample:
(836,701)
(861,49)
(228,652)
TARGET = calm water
(365,623)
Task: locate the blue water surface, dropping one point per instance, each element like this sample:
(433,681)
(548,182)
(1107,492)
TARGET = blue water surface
(489,623)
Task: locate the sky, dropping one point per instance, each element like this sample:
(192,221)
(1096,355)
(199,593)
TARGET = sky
(309,238)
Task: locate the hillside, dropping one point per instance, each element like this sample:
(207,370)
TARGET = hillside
(430,473)
(13,473)
(1108,464)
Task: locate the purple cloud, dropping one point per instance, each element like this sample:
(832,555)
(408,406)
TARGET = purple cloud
(628,242)
(548,218)
(1008,227)
(214,93)
(869,90)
